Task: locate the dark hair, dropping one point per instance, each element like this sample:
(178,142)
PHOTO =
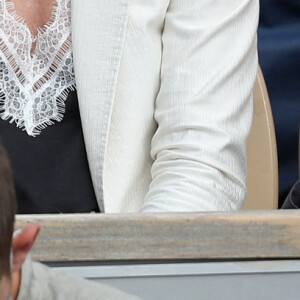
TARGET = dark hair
(7,212)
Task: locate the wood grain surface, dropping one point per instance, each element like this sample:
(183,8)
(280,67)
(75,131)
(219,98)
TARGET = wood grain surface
(185,236)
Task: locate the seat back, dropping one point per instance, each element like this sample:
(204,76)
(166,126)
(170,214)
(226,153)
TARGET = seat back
(262,180)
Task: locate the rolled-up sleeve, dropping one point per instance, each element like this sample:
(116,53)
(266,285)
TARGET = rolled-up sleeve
(204,106)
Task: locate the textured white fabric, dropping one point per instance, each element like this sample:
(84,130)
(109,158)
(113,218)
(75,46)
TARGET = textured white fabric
(34,83)
(165,93)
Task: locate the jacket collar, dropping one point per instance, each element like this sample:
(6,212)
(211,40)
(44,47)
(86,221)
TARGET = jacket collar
(98,31)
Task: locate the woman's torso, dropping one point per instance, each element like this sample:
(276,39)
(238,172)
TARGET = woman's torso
(51,170)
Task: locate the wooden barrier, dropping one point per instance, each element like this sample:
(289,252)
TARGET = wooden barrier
(237,256)
(154,237)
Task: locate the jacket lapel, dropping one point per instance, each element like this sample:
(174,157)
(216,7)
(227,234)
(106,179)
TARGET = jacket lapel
(98,30)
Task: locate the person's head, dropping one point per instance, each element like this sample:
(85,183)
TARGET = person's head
(7,216)
(13,251)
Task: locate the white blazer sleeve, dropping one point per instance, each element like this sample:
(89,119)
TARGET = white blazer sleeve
(204,106)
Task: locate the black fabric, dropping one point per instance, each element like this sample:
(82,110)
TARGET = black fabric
(293,199)
(51,171)
(279,53)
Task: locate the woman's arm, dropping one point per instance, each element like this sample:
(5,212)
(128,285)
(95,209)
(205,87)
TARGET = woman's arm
(204,106)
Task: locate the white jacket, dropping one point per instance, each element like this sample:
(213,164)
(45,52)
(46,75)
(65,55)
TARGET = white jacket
(165,95)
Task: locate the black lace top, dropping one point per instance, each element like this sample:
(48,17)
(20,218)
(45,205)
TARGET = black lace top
(51,171)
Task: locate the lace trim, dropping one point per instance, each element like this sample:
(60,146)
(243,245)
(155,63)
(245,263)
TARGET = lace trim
(34,83)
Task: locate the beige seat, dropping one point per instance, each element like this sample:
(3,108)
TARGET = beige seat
(262,181)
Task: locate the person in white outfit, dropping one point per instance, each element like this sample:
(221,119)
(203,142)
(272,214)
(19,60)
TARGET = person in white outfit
(119,106)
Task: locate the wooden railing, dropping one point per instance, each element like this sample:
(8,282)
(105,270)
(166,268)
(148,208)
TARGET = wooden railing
(155,237)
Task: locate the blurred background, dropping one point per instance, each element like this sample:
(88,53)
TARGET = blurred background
(279,56)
